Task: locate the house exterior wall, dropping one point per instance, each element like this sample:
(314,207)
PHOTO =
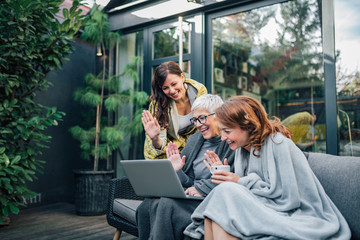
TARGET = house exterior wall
(56,184)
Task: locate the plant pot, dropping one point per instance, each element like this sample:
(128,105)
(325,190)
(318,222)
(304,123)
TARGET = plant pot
(91,192)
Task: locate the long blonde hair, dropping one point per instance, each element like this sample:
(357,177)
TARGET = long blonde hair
(250,115)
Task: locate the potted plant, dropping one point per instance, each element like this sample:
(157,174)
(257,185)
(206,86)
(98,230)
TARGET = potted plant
(106,95)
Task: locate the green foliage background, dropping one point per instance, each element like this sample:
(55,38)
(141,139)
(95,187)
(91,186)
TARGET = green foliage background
(32,43)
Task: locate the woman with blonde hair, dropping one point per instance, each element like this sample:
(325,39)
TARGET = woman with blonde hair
(273,193)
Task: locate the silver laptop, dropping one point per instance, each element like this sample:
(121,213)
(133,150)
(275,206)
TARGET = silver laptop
(154,178)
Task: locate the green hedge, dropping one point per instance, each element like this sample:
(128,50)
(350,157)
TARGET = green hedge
(32,43)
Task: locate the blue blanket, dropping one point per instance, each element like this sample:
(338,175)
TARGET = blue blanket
(277,197)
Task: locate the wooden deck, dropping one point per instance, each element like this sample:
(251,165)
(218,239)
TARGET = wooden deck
(58,221)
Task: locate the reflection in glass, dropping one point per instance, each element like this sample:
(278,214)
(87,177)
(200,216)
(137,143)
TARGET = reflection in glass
(274,54)
(131,46)
(186,68)
(166,41)
(347,45)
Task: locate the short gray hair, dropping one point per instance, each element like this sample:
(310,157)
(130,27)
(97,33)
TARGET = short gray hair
(208,101)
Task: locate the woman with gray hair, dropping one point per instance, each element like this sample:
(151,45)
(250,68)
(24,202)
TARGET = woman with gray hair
(166,218)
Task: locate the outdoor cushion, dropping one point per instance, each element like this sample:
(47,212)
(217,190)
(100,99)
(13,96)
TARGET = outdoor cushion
(126,208)
(340,177)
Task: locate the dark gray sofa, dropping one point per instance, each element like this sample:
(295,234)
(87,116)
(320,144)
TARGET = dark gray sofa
(339,175)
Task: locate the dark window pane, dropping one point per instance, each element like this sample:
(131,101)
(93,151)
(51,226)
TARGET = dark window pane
(166,41)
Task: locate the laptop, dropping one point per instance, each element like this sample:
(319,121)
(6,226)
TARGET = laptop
(154,178)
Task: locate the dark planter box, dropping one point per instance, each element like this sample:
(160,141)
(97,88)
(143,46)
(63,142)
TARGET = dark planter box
(91,192)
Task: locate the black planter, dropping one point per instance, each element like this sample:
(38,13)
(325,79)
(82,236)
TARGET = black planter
(91,192)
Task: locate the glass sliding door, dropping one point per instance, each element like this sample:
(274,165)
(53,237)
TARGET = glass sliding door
(347,45)
(174,41)
(166,45)
(274,54)
(129,49)
(166,41)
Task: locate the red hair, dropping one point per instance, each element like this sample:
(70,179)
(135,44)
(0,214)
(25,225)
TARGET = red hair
(250,115)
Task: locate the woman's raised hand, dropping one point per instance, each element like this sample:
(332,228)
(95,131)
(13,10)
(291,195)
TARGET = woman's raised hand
(172,153)
(219,176)
(213,159)
(151,125)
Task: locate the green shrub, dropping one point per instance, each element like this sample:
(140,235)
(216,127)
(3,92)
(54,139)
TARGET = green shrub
(32,43)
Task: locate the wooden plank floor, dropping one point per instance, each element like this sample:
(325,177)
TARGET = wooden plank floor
(58,221)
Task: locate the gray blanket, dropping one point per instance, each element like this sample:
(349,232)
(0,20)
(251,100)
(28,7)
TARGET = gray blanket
(277,197)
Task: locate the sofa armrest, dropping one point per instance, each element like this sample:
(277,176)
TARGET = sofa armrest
(121,188)
(340,177)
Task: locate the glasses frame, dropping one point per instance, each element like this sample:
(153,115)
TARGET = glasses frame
(193,120)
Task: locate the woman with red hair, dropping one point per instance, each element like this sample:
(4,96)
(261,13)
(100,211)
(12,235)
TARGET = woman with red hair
(273,193)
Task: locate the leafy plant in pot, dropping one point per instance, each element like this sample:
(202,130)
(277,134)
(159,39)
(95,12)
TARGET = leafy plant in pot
(107,96)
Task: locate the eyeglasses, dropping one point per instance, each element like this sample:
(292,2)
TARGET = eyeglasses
(201,119)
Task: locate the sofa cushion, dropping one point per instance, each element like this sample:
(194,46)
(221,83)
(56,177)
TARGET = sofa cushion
(340,177)
(126,208)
